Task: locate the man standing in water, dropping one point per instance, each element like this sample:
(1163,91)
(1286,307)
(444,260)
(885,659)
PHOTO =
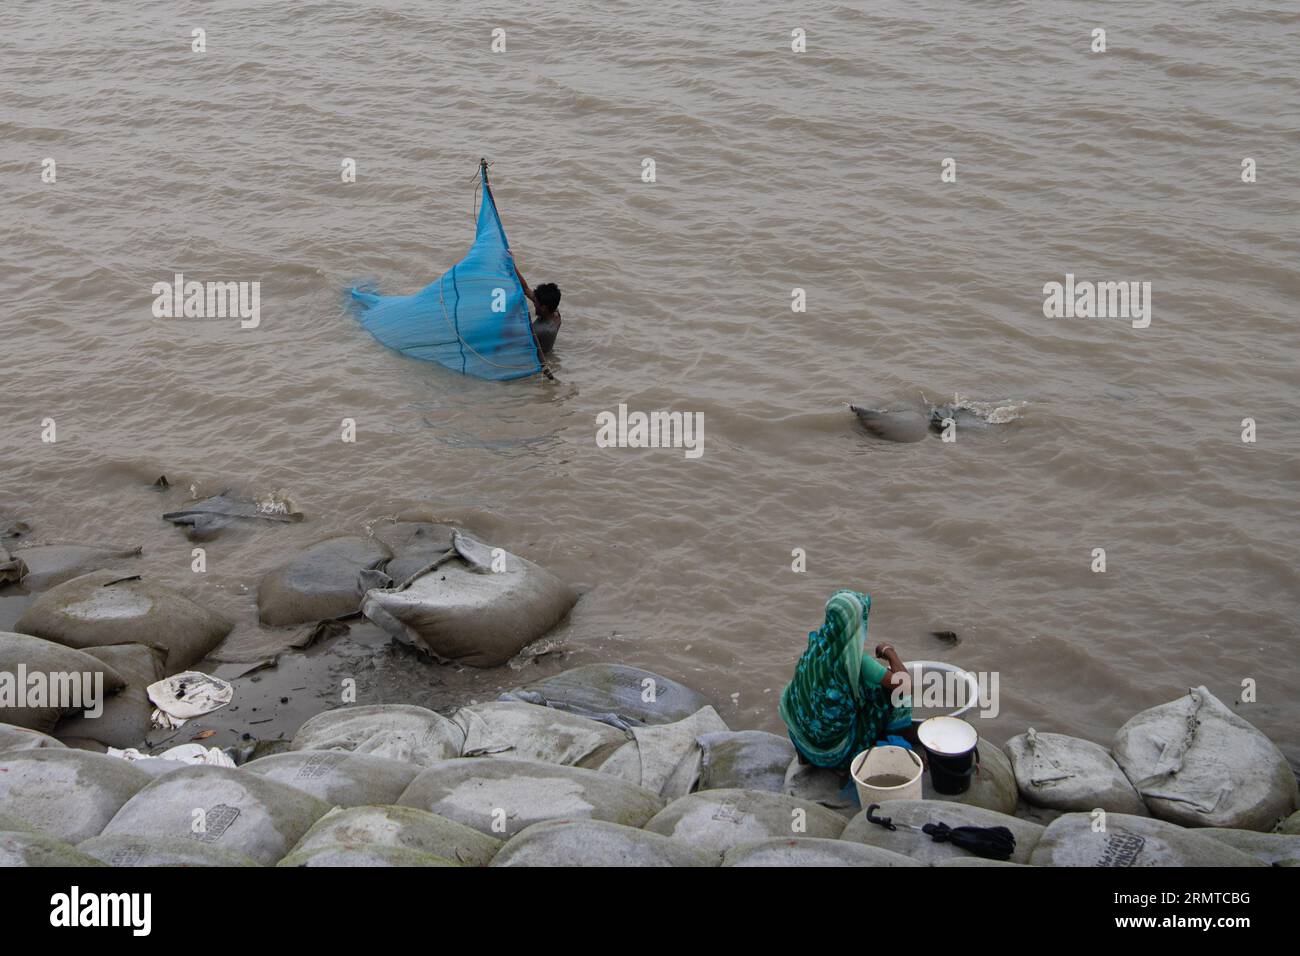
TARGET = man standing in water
(546,302)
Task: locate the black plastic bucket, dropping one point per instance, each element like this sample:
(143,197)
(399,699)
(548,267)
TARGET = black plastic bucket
(952,746)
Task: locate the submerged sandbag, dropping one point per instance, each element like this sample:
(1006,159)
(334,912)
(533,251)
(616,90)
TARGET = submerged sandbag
(69,794)
(338,777)
(414,544)
(111,607)
(813,852)
(125,721)
(1066,773)
(614,693)
(1070,840)
(501,796)
(13,737)
(242,812)
(416,735)
(1198,764)
(45,565)
(596,843)
(745,760)
(466,611)
(41,681)
(141,851)
(1275,849)
(529,732)
(203,520)
(992,785)
(718,820)
(919,846)
(323,581)
(362,854)
(39,849)
(665,758)
(406,828)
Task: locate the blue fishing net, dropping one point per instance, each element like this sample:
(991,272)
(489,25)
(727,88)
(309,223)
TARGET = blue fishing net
(473,320)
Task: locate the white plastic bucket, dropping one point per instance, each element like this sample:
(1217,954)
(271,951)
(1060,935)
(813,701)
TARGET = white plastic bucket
(887,759)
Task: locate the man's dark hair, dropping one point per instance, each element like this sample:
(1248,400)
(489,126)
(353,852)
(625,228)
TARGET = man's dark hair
(548,294)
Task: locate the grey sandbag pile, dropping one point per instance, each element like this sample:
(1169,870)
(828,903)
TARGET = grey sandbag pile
(1071,840)
(112,607)
(465,611)
(122,851)
(398,731)
(665,758)
(718,820)
(39,849)
(323,581)
(242,812)
(68,794)
(38,656)
(42,566)
(1069,774)
(992,785)
(744,760)
(1197,764)
(596,843)
(817,851)
(614,693)
(919,846)
(339,777)
(528,732)
(125,721)
(501,796)
(403,828)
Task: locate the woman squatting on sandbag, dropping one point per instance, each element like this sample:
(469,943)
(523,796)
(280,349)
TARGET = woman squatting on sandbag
(842,702)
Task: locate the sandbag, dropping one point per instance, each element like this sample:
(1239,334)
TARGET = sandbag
(242,812)
(919,846)
(321,582)
(1275,849)
(362,854)
(24,738)
(141,851)
(398,731)
(125,721)
(666,758)
(718,820)
(745,760)
(465,611)
(112,607)
(501,796)
(976,861)
(406,828)
(414,544)
(40,849)
(829,788)
(992,785)
(22,656)
(1198,764)
(45,565)
(528,732)
(596,843)
(340,778)
(812,852)
(1291,824)
(68,794)
(1131,841)
(1066,773)
(615,693)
